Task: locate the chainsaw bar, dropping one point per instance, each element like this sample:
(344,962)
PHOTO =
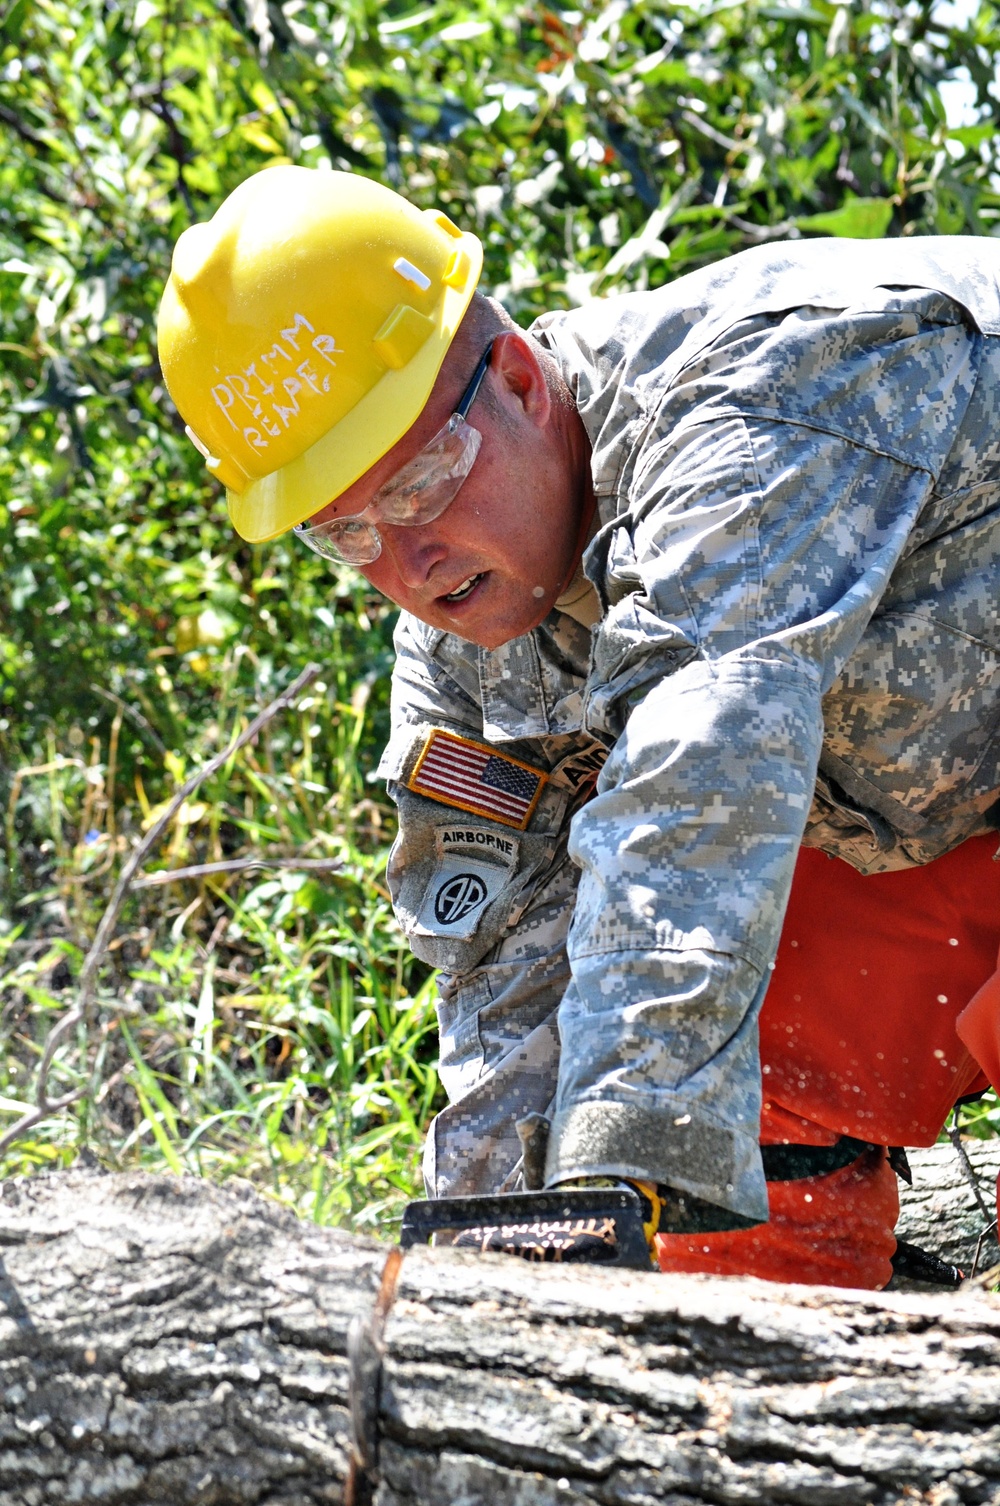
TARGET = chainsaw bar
(593,1226)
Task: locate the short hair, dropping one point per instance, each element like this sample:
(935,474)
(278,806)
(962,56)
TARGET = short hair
(485,318)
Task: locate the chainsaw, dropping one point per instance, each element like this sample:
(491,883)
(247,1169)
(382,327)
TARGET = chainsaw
(591,1225)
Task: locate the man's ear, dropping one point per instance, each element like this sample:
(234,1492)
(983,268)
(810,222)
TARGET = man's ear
(519,375)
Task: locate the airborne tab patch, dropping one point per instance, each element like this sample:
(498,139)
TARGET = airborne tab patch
(473,777)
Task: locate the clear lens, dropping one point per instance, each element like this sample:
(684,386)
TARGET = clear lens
(417,494)
(422,490)
(349,541)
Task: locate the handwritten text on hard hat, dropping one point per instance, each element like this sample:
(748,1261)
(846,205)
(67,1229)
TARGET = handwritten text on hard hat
(240,387)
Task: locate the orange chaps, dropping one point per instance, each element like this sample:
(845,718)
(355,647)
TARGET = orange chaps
(883,1009)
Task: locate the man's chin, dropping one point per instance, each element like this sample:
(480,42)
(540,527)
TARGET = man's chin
(492,617)
(492,636)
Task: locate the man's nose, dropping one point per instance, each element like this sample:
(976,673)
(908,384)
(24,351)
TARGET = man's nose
(413,551)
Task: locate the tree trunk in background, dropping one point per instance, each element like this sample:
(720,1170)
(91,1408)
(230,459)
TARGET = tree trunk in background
(168,1341)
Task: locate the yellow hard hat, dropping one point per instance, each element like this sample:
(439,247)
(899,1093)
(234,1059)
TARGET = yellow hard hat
(301,331)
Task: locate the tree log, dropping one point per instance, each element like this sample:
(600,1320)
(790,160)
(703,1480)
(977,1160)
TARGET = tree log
(168,1341)
(941,1213)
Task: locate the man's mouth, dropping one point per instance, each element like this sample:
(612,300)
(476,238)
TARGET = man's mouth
(467,586)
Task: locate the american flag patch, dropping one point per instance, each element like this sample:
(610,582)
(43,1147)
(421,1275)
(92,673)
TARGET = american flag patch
(473,778)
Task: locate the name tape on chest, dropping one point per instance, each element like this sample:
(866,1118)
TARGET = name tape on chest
(473,777)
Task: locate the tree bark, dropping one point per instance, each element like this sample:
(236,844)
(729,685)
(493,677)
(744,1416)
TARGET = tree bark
(168,1341)
(941,1212)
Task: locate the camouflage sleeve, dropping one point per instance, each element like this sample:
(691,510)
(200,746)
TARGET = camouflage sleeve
(753,555)
(487,903)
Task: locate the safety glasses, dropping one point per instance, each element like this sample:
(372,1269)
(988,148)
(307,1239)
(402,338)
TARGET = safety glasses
(418,493)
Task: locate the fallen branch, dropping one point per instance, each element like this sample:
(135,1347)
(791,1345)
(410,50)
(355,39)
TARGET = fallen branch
(955,1136)
(134,715)
(236,865)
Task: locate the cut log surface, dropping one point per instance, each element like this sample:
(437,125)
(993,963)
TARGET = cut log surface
(167,1341)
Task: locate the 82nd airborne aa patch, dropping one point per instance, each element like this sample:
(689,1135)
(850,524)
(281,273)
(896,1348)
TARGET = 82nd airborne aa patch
(473,777)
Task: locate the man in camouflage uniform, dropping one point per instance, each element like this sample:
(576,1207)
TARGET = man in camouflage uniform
(795,458)
(720,585)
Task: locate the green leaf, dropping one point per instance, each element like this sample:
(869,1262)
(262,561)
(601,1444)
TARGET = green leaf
(973,136)
(862,219)
(464,31)
(13,19)
(160,1135)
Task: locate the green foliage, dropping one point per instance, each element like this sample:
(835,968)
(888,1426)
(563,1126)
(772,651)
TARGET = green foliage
(979,1120)
(271,1026)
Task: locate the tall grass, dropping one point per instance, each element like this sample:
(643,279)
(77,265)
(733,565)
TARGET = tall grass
(270,1025)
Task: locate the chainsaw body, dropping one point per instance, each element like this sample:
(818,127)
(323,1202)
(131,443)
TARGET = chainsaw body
(579,1225)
